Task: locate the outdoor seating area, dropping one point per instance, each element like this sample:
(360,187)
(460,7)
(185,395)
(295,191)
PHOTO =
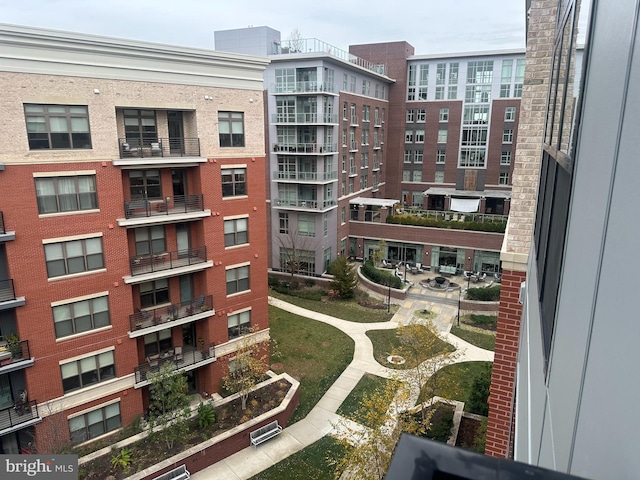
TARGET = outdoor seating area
(142,319)
(475,277)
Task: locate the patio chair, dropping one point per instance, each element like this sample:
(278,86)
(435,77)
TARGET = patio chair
(177,354)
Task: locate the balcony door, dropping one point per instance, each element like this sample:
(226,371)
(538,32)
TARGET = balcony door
(179,181)
(140,127)
(6,399)
(183,238)
(176,132)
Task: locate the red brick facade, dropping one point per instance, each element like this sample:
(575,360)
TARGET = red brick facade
(499,443)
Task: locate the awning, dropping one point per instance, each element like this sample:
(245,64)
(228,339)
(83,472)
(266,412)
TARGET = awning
(466,205)
(374,202)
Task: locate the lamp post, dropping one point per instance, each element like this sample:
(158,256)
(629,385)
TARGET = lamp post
(405,264)
(389,298)
(459,292)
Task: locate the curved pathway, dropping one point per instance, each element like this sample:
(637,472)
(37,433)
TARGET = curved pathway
(321,419)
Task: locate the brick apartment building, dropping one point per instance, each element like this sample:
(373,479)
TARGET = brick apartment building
(354,136)
(132,226)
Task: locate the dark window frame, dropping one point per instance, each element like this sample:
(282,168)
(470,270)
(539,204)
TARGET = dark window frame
(236,236)
(234,182)
(55,203)
(158,294)
(66,258)
(96,319)
(99,374)
(236,281)
(241,326)
(46,139)
(229,136)
(84,434)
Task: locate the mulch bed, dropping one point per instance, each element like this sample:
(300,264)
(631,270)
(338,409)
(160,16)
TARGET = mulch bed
(467,432)
(229,415)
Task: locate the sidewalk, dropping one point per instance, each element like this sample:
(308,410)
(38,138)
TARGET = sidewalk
(319,421)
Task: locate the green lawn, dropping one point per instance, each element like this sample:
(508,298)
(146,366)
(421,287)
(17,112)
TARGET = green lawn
(352,405)
(311,463)
(475,337)
(343,309)
(456,381)
(386,341)
(312,352)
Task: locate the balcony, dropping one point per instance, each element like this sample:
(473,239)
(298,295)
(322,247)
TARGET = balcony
(18,417)
(305,176)
(188,359)
(5,236)
(8,297)
(170,209)
(148,321)
(353,146)
(304,87)
(313,148)
(306,204)
(167,260)
(160,147)
(354,121)
(377,122)
(305,118)
(14,356)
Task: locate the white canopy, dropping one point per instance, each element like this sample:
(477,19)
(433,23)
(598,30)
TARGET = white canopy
(374,202)
(466,205)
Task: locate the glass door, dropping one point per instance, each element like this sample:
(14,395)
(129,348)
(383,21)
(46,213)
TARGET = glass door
(183,239)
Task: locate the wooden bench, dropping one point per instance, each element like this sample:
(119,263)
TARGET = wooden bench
(180,473)
(263,434)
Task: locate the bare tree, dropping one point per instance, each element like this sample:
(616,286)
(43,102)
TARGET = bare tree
(294,252)
(295,41)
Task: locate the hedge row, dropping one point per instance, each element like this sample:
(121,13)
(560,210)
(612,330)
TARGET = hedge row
(487,294)
(498,227)
(380,277)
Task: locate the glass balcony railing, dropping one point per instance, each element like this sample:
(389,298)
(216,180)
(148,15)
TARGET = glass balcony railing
(304,118)
(305,148)
(305,176)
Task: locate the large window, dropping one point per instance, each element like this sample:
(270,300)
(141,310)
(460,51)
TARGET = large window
(237,279)
(472,157)
(95,423)
(231,128)
(150,240)
(66,258)
(158,342)
(300,261)
(507,135)
(145,184)
(57,126)
(503,178)
(154,293)
(239,324)
(236,232)
(442,135)
(480,71)
(140,127)
(82,316)
(306,225)
(87,371)
(283,219)
(509,114)
(66,194)
(234,182)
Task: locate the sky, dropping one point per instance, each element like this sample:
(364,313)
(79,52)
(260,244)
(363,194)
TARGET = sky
(431,26)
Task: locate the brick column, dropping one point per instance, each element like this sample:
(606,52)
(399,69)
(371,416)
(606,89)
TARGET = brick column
(517,242)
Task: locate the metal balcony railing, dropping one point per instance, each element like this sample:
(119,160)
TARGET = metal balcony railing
(354,120)
(18,414)
(7,292)
(145,207)
(2,229)
(353,146)
(13,352)
(159,147)
(176,311)
(167,260)
(305,148)
(174,360)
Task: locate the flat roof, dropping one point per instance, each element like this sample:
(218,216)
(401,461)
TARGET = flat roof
(452,192)
(486,53)
(374,202)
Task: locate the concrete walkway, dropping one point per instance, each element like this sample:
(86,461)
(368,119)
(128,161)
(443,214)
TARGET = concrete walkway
(320,420)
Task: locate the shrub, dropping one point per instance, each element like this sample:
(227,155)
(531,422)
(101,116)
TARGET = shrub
(477,319)
(306,294)
(309,282)
(479,441)
(273,281)
(345,279)
(440,430)
(487,294)
(380,277)
(479,397)
(122,459)
(498,227)
(206,415)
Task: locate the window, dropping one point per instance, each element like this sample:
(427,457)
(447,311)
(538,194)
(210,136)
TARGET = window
(453,72)
(66,194)
(87,371)
(154,293)
(150,240)
(57,126)
(285,79)
(411,115)
(284,222)
(66,258)
(306,225)
(352,84)
(363,180)
(480,72)
(419,136)
(344,110)
(419,156)
(417,175)
(236,232)
(472,157)
(421,115)
(298,261)
(441,71)
(157,342)
(474,136)
(439,93)
(439,177)
(231,129)
(478,94)
(507,135)
(366,111)
(442,135)
(78,317)
(411,92)
(517,90)
(507,71)
(503,178)
(505,90)
(343,214)
(145,184)
(95,423)
(505,158)
(351,185)
(441,156)
(345,81)
(509,114)
(239,324)
(140,127)
(444,114)
(476,115)
(234,182)
(237,279)
(452,92)
(325,224)
(408,136)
